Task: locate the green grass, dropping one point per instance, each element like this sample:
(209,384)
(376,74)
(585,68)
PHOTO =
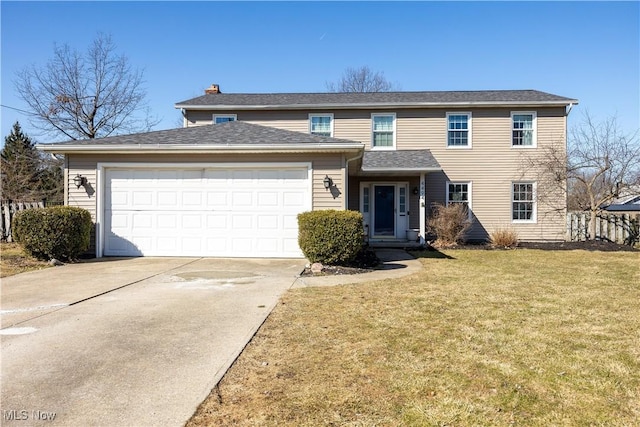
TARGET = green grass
(487,338)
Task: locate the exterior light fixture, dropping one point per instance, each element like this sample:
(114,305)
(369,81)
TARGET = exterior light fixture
(79,180)
(328,182)
(415,191)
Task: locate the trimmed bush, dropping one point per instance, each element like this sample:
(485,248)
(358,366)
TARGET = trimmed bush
(504,238)
(60,232)
(330,236)
(449,224)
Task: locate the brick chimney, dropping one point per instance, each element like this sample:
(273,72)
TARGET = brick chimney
(214,88)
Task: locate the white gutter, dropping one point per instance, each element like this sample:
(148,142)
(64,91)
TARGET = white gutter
(346,173)
(401,170)
(382,105)
(179,148)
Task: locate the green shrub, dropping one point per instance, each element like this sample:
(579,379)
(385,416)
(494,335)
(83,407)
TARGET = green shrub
(330,236)
(61,232)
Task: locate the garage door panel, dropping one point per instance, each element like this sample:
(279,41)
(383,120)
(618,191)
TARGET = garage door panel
(205,212)
(293,199)
(141,221)
(217,221)
(167,199)
(268,199)
(241,199)
(268,222)
(217,199)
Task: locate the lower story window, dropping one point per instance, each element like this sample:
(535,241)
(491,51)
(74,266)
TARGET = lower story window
(523,205)
(459,192)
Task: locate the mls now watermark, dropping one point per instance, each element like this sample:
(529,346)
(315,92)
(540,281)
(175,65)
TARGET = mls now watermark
(24,415)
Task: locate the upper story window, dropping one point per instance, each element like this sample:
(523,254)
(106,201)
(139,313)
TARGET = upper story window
(459,192)
(459,130)
(223,118)
(523,203)
(523,129)
(383,129)
(321,124)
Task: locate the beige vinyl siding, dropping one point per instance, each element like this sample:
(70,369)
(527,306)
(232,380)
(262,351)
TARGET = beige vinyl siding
(491,164)
(297,121)
(83,197)
(333,198)
(322,164)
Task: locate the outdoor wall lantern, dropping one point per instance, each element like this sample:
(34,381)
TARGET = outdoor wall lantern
(415,191)
(328,182)
(79,180)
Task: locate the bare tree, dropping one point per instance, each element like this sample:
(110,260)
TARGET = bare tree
(361,79)
(84,96)
(600,163)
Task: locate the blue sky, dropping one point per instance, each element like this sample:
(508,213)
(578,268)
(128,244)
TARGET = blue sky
(584,50)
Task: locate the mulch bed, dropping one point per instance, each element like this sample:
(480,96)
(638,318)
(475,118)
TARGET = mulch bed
(590,245)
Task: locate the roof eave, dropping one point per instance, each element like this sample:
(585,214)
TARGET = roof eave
(223,107)
(190,149)
(400,170)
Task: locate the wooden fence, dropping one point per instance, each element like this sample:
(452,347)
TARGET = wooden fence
(618,228)
(8,208)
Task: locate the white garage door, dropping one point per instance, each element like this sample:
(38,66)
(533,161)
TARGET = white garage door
(239,212)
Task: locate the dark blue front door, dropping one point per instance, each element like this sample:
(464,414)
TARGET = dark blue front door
(384,210)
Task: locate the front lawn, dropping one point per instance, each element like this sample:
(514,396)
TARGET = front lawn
(14,260)
(484,338)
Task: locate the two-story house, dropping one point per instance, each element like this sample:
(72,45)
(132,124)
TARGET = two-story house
(233,179)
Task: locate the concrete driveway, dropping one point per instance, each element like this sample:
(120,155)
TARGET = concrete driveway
(124,342)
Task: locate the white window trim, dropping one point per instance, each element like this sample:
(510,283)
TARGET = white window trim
(215,116)
(534,142)
(534,215)
(393,147)
(469,190)
(469,130)
(330,115)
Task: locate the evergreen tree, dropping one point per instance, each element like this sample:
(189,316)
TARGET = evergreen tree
(28,175)
(20,166)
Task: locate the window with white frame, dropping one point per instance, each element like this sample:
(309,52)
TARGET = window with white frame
(223,118)
(383,131)
(365,200)
(523,203)
(523,129)
(459,192)
(321,124)
(459,130)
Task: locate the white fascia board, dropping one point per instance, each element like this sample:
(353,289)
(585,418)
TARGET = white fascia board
(177,148)
(430,169)
(379,105)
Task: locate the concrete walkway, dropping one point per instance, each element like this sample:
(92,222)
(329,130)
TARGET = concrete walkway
(138,341)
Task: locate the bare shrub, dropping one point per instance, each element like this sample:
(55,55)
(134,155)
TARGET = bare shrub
(504,238)
(449,224)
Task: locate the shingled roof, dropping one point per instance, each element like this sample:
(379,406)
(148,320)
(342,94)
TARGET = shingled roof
(399,161)
(373,99)
(224,135)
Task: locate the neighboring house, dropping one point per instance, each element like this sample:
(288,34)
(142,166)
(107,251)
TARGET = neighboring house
(231,182)
(629,204)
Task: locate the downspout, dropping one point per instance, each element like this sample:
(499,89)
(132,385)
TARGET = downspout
(346,178)
(184,118)
(566,145)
